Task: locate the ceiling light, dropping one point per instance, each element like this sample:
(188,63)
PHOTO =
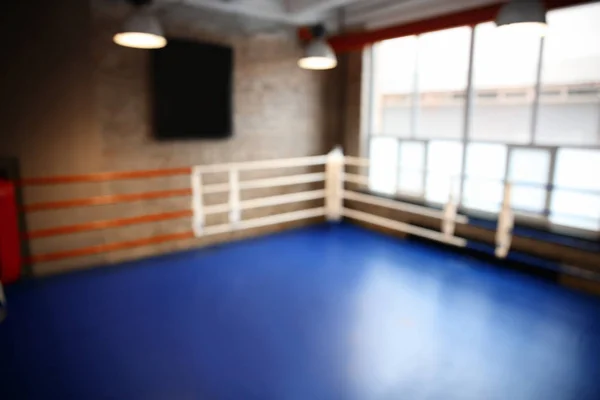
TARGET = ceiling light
(318,54)
(141,31)
(523,17)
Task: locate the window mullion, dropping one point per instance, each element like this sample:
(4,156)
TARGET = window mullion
(424,168)
(398,171)
(367,107)
(373,90)
(536,95)
(414,119)
(507,180)
(598,130)
(467,117)
(550,184)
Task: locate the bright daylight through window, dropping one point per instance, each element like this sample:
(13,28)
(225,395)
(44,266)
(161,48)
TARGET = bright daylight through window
(463,111)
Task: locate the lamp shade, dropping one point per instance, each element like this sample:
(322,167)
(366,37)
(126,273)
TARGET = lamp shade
(141,31)
(523,16)
(318,55)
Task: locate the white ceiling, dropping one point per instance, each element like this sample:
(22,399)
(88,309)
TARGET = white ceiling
(368,13)
(291,12)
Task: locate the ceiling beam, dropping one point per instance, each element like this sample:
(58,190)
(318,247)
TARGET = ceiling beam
(319,11)
(266,10)
(292,12)
(317,6)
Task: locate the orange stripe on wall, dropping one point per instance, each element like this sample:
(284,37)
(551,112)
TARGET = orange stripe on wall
(102,200)
(105,176)
(98,225)
(358,40)
(103,248)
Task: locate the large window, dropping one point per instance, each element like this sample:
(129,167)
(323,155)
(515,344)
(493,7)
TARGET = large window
(442,97)
(456,114)
(576,197)
(529,173)
(485,170)
(411,177)
(444,163)
(504,79)
(569,102)
(394,80)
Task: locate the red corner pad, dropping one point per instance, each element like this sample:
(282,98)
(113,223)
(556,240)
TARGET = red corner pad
(10,245)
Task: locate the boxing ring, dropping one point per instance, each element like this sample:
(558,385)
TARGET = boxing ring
(334,177)
(329,310)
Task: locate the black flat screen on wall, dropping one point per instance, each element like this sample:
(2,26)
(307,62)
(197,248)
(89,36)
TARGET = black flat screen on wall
(192,90)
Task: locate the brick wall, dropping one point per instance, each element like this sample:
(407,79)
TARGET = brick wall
(87,109)
(354,117)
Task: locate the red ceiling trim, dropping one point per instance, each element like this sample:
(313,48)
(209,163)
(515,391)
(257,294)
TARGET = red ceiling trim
(356,41)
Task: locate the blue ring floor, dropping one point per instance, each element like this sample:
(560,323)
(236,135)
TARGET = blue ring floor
(326,312)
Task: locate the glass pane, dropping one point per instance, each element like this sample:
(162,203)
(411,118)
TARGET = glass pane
(440,121)
(578,169)
(439,187)
(528,199)
(412,167)
(412,156)
(504,60)
(395,119)
(577,222)
(529,166)
(569,110)
(485,170)
(487,161)
(580,210)
(394,80)
(569,123)
(483,194)
(506,123)
(410,183)
(444,163)
(445,157)
(504,79)
(442,90)
(383,157)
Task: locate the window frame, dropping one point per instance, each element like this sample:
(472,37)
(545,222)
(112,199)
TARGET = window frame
(528,219)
